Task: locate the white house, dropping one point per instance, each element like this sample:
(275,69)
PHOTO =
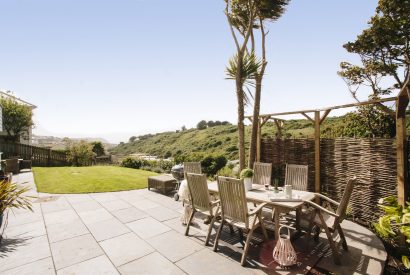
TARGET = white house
(26,137)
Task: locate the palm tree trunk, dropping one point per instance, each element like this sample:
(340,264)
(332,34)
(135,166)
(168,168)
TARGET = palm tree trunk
(255,122)
(241,113)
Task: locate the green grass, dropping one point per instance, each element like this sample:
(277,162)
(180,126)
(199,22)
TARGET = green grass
(66,180)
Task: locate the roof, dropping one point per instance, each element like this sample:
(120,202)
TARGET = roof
(9,94)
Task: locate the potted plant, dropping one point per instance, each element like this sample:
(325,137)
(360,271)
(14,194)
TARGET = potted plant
(246,175)
(11,196)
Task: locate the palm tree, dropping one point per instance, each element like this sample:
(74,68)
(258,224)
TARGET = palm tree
(244,71)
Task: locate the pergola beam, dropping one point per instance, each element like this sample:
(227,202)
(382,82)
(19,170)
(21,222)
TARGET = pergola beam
(370,102)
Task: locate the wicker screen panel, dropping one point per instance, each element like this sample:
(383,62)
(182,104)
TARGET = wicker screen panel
(373,161)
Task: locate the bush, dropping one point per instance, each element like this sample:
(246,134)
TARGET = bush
(98,148)
(132,163)
(202,125)
(212,164)
(80,153)
(227,172)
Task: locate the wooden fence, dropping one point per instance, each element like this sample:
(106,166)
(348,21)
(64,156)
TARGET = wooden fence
(39,156)
(373,161)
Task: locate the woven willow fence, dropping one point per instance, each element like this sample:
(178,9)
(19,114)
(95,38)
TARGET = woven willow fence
(373,161)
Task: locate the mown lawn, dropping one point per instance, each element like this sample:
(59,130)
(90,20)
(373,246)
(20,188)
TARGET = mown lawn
(89,179)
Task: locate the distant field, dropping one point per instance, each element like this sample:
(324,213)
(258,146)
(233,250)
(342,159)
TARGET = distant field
(67,180)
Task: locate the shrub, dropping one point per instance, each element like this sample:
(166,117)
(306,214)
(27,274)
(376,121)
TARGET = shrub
(80,153)
(394,224)
(132,163)
(227,172)
(98,148)
(212,164)
(201,125)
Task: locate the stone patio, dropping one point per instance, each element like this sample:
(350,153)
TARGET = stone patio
(139,232)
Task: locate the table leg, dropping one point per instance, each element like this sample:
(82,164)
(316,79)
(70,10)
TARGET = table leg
(298,214)
(277,216)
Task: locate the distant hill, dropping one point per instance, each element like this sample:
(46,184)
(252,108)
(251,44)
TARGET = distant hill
(220,139)
(57,143)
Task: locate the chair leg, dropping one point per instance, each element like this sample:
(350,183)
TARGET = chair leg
(246,248)
(189,222)
(342,237)
(240,234)
(265,234)
(210,230)
(332,244)
(217,235)
(231,229)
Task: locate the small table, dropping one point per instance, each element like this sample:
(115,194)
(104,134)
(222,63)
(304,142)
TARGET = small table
(162,182)
(258,194)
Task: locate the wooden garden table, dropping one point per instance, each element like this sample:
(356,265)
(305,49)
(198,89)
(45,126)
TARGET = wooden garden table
(258,194)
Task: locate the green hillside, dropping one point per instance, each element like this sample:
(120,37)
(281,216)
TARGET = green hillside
(220,139)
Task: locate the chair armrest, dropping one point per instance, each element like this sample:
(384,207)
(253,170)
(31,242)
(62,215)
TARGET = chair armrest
(257,209)
(327,199)
(320,208)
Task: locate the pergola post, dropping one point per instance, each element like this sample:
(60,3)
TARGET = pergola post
(258,141)
(401,143)
(317,151)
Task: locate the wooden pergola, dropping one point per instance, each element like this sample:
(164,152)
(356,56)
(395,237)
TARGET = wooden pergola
(317,116)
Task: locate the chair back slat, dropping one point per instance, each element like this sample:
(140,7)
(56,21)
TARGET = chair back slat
(233,199)
(341,209)
(262,173)
(198,190)
(192,167)
(297,176)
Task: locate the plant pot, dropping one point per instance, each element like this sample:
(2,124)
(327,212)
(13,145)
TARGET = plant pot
(248,183)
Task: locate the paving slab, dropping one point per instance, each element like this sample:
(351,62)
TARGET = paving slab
(85,206)
(162,213)
(152,264)
(147,227)
(145,204)
(64,216)
(207,262)
(94,216)
(115,205)
(103,197)
(107,229)
(25,217)
(40,267)
(77,198)
(17,252)
(129,214)
(66,230)
(125,248)
(60,203)
(96,266)
(174,246)
(29,230)
(75,250)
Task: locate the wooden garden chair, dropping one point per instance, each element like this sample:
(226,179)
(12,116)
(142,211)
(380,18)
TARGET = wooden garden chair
(200,201)
(330,221)
(192,167)
(234,211)
(297,176)
(262,173)
(12,166)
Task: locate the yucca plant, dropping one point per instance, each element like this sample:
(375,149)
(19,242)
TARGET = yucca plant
(11,196)
(394,226)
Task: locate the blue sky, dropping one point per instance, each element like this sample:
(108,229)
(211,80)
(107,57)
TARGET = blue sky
(113,69)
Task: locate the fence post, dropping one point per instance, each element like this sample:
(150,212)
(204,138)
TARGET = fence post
(49,157)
